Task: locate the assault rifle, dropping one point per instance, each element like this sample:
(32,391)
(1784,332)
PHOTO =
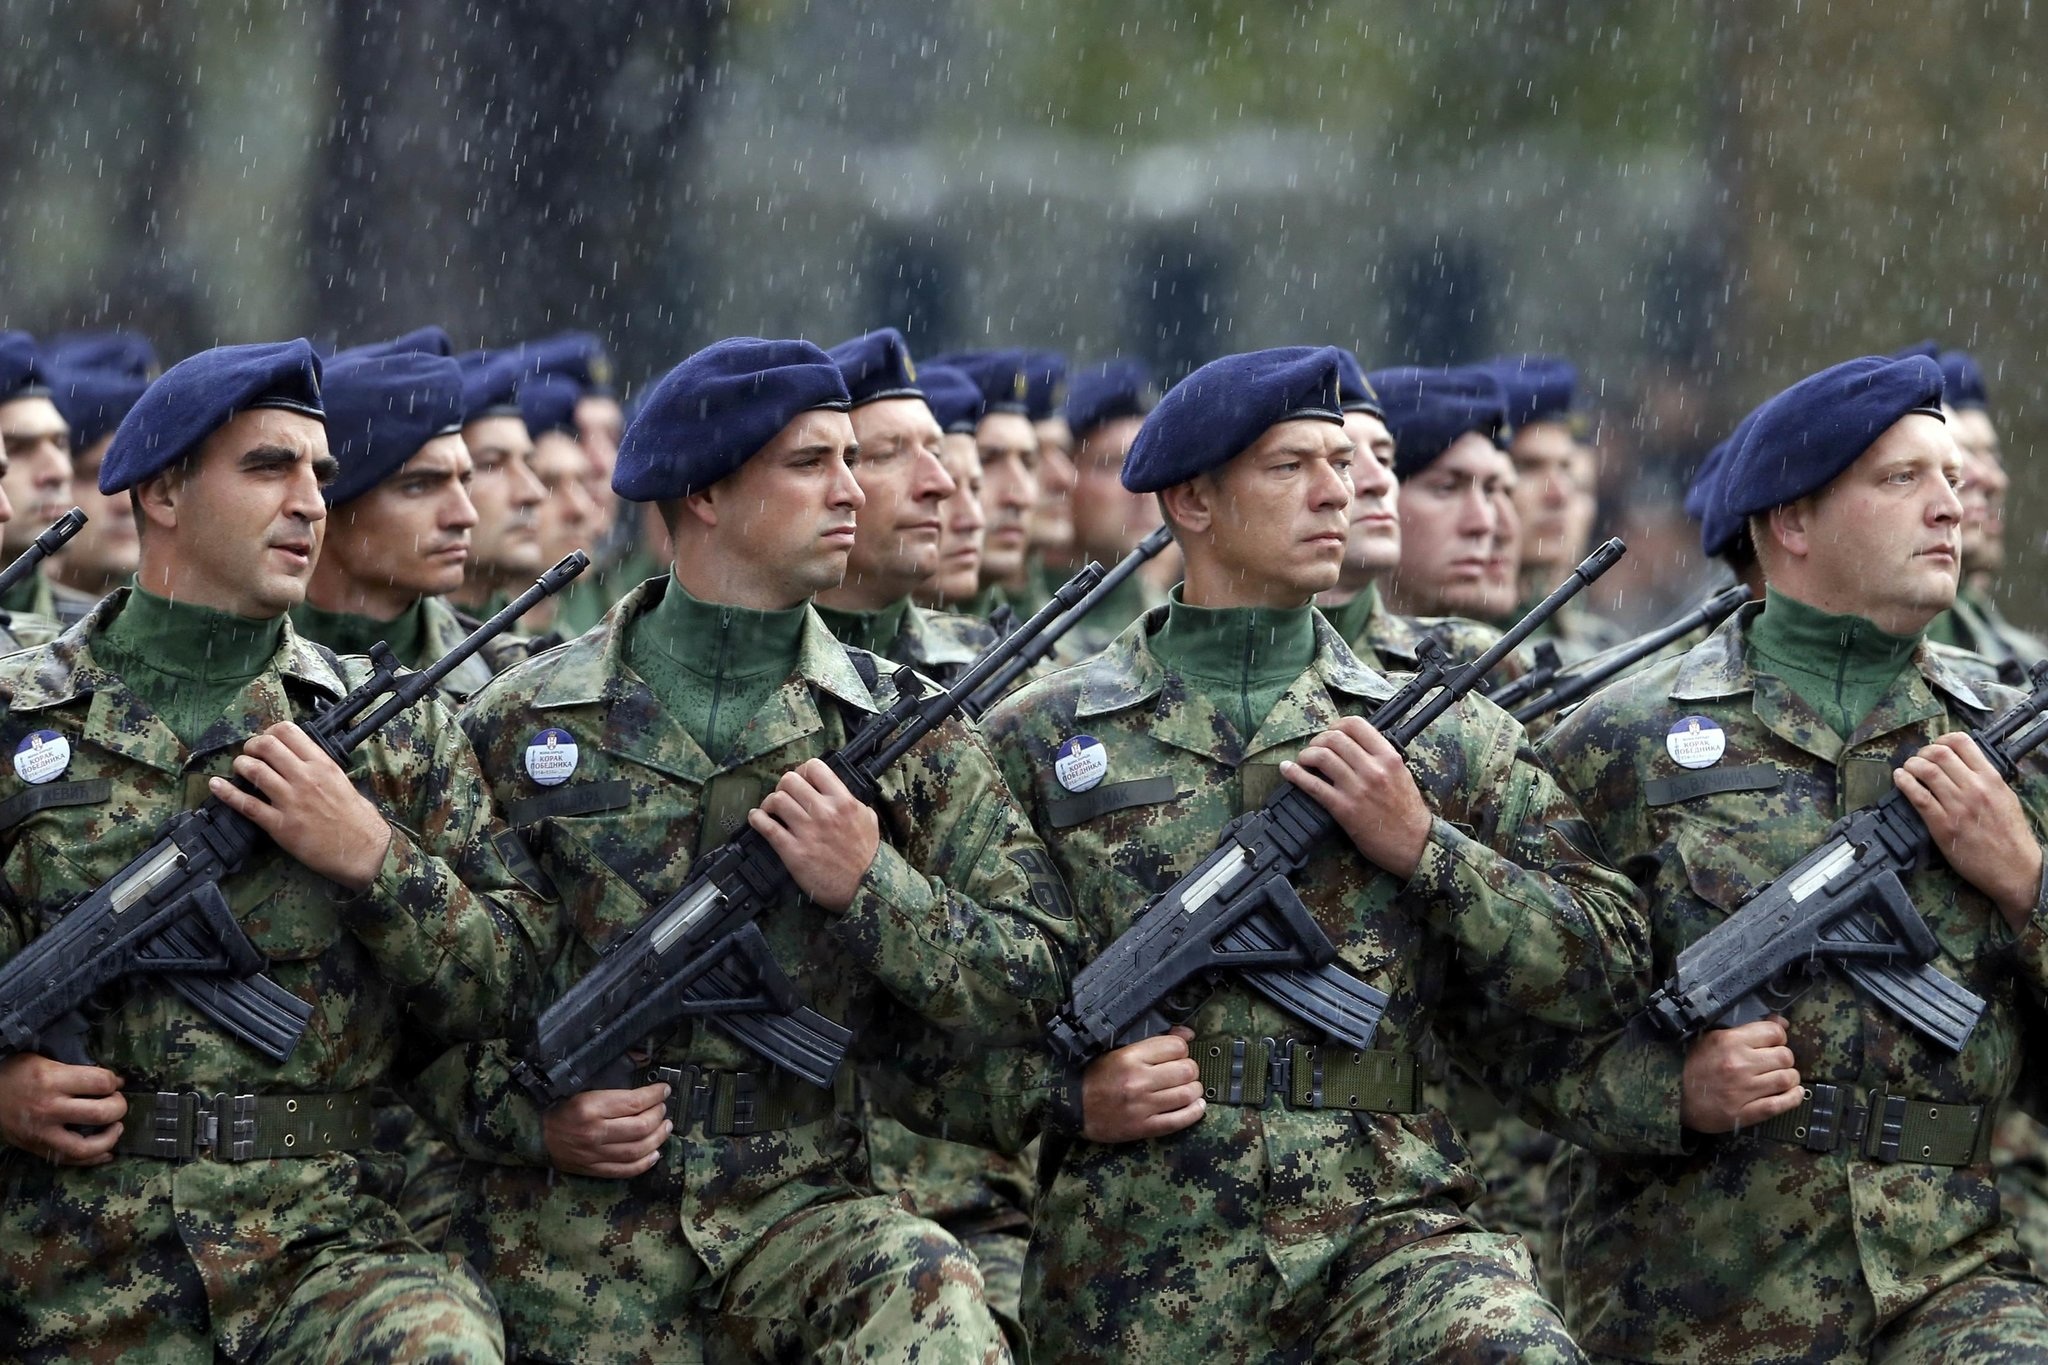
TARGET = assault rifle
(164,914)
(701,953)
(1237,910)
(46,544)
(1844,905)
(999,684)
(1547,688)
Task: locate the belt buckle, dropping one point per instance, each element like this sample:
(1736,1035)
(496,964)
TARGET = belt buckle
(173,1118)
(1279,1070)
(1233,1093)
(1822,1109)
(1890,1127)
(224,1126)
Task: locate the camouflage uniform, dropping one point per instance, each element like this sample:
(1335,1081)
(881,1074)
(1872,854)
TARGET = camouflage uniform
(1576,632)
(1976,624)
(756,1242)
(1284,1233)
(291,1258)
(1132,598)
(1683,1247)
(24,630)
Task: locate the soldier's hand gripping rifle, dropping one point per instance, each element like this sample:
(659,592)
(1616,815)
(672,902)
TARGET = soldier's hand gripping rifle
(1000,682)
(700,952)
(1582,680)
(1844,905)
(46,544)
(1237,911)
(164,914)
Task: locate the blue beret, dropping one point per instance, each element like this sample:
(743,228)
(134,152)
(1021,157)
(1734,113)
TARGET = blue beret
(1359,394)
(1800,440)
(1538,388)
(1045,384)
(954,399)
(93,400)
(1219,411)
(490,384)
(708,415)
(198,395)
(127,353)
(381,408)
(21,369)
(1962,381)
(548,403)
(576,356)
(1002,376)
(1429,409)
(1102,393)
(1719,528)
(876,365)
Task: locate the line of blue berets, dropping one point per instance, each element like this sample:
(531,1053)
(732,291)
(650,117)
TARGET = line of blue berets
(490,384)
(1428,409)
(1002,376)
(1102,393)
(953,397)
(709,415)
(1356,390)
(1536,388)
(198,395)
(547,402)
(877,365)
(1220,410)
(382,406)
(21,367)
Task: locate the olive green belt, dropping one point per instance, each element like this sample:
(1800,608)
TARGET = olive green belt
(185,1125)
(1883,1127)
(736,1103)
(1252,1071)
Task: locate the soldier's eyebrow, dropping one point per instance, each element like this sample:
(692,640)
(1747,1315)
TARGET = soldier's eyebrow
(268,457)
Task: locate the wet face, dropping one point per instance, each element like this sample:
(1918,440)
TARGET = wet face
(1503,565)
(1109,519)
(239,527)
(961,523)
(1374,544)
(783,524)
(1052,523)
(566,518)
(1269,528)
(405,539)
(507,496)
(37,480)
(600,422)
(1550,475)
(1451,531)
(1883,540)
(905,485)
(1983,492)
(105,551)
(1009,470)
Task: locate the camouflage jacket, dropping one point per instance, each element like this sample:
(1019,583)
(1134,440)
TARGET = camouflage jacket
(25,630)
(445,629)
(958,920)
(439,940)
(1976,624)
(939,644)
(1684,1247)
(1576,632)
(1504,905)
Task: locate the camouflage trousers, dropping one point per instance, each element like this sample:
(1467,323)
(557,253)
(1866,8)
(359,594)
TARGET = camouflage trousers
(432,1181)
(1453,1298)
(137,1296)
(1513,1160)
(2019,1154)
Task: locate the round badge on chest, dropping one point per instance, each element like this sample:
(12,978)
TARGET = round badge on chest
(42,757)
(551,757)
(1696,742)
(1080,762)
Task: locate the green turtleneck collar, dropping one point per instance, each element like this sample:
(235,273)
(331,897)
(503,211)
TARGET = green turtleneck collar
(713,665)
(188,662)
(873,631)
(347,633)
(1351,618)
(1241,658)
(1841,666)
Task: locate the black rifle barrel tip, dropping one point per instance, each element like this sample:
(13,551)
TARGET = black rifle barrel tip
(573,563)
(65,527)
(1604,558)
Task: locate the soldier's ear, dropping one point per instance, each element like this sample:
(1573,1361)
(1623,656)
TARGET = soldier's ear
(1788,527)
(1189,506)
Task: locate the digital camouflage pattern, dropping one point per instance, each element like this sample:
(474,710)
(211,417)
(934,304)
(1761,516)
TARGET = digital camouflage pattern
(446,628)
(142,1252)
(1681,1247)
(1283,1234)
(1577,632)
(25,630)
(939,644)
(964,927)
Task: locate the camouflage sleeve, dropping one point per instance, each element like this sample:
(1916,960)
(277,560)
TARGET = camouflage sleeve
(445,918)
(946,1086)
(1513,877)
(468,1094)
(969,923)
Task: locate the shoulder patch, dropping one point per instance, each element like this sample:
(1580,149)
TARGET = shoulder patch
(1048,892)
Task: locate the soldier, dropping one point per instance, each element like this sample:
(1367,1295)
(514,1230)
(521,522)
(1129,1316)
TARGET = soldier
(1372,548)
(1197,1217)
(34,435)
(578,359)
(647,1224)
(126,1228)
(96,379)
(1812,1186)
(1052,521)
(956,406)
(567,518)
(504,548)
(1553,495)
(1105,406)
(895,551)
(1456,490)
(1008,445)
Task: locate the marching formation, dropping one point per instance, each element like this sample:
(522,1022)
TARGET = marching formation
(871,858)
